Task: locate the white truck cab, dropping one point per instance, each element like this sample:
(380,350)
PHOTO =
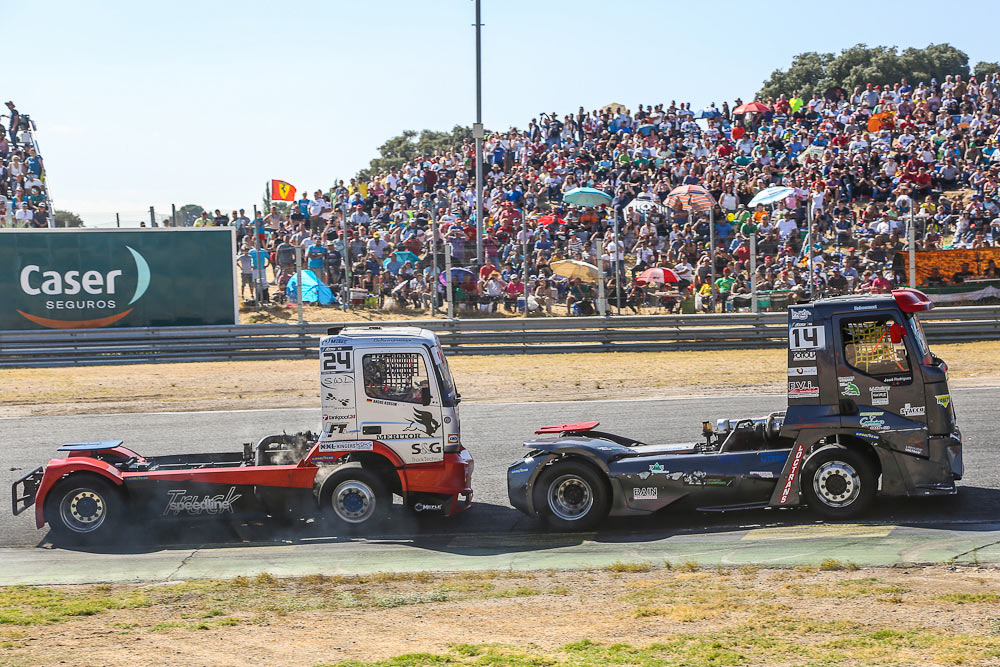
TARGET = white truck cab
(387,392)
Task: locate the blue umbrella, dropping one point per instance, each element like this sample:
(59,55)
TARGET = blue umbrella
(586,197)
(708,113)
(459,275)
(771,195)
(646,130)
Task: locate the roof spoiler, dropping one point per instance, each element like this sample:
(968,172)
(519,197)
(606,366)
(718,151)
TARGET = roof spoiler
(578,427)
(910,300)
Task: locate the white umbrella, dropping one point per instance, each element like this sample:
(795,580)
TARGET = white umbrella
(771,195)
(645,204)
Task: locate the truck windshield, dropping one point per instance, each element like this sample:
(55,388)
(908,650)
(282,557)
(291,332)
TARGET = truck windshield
(449,393)
(918,337)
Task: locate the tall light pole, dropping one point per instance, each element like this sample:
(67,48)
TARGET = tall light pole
(477,133)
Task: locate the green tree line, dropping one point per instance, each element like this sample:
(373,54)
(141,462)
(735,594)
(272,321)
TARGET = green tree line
(813,72)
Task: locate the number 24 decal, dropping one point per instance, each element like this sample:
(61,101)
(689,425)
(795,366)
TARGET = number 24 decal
(807,338)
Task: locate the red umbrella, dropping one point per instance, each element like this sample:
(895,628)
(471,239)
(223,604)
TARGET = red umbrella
(690,198)
(751,107)
(550,219)
(656,275)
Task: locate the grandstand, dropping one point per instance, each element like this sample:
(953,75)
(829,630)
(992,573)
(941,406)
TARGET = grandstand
(24,191)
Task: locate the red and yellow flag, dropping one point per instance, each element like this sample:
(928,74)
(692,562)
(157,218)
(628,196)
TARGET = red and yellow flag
(281,191)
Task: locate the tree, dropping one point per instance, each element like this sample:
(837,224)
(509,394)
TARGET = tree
(410,145)
(984,70)
(861,64)
(187,214)
(68,219)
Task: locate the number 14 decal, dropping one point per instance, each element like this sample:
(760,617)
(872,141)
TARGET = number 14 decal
(806,338)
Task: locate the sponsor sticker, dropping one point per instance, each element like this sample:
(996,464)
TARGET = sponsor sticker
(518,471)
(850,389)
(896,380)
(803,356)
(943,400)
(331,381)
(792,473)
(879,395)
(866,435)
(797,371)
(802,389)
(762,474)
(799,314)
(178,502)
(346,446)
(914,411)
(422,507)
(426,451)
(873,421)
(870,307)
(645,493)
(453,439)
(914,449)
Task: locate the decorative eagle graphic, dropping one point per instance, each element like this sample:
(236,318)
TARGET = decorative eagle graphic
(424,420)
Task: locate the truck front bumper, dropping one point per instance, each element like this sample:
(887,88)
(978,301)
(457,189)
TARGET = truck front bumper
(450,482)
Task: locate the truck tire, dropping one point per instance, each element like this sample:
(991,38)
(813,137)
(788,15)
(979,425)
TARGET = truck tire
(570,495)
(355,497)
(83,509)
(838,483)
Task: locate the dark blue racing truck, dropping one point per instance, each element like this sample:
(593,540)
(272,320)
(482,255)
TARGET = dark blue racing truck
(869,413)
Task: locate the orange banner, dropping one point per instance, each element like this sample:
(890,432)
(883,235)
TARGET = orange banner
(281,191)
(942,267)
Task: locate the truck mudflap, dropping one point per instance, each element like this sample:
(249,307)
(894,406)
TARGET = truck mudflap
(22,492)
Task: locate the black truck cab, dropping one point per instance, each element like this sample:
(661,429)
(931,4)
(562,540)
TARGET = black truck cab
(860,369)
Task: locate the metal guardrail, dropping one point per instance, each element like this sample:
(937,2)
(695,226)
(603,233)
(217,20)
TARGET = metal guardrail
(476,336)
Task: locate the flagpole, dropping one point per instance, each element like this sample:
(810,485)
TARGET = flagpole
(346,258)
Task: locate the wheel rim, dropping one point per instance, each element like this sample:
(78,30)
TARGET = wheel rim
(570,497)
(83,510)
(837,483)
(353,501)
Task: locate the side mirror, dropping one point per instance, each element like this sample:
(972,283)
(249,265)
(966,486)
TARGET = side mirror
(896,332)
(425,396)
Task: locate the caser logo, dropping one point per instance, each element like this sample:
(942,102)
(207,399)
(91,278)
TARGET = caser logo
(81,290)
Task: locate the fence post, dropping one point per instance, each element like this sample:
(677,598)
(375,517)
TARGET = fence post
(298,279)
(449,293)
(173,215)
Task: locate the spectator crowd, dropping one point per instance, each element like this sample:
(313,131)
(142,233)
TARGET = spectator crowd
(861,164)
(23,195)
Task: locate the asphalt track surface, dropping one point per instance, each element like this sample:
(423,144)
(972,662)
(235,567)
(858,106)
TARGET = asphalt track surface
(494,433)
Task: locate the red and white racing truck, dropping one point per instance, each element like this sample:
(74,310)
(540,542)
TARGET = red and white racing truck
(390,427)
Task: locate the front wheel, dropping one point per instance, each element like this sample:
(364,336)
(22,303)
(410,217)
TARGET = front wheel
(355,497)
(82,509)
(838,483)
(571,496)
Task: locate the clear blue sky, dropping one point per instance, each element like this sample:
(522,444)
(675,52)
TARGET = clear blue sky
(202,102)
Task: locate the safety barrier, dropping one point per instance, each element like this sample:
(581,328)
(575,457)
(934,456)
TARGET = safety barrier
(469,336)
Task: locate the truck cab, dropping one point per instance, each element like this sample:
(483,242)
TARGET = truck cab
(388,397)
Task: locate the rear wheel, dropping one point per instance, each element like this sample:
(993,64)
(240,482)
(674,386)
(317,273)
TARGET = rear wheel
(838,483)
(355,497)
(571,496)
(83,509)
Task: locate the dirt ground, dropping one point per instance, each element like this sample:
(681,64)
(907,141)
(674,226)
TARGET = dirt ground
(503,378)
(636,615)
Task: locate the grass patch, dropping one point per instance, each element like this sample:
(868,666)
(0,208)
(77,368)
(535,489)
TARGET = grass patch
(832,565)
(967,598)
(30,605)
(622,567)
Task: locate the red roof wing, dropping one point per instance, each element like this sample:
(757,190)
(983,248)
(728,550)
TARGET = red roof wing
(579,427)
(911,300)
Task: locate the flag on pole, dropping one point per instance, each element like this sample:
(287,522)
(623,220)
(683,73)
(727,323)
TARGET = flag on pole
(281,191)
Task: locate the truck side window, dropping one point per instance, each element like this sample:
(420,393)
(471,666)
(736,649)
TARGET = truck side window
(868,347)
(395,376)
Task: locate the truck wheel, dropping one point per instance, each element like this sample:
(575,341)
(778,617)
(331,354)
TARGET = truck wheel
(571,496)
(82,509)
(354,497)
(838,483)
